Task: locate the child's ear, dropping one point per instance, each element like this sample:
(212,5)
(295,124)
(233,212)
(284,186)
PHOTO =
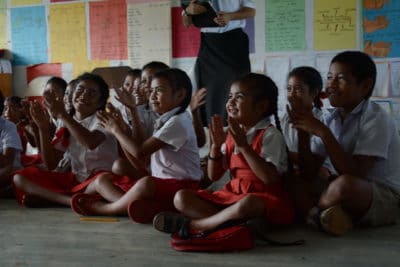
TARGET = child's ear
(262,106)
(366,86)
(181,94)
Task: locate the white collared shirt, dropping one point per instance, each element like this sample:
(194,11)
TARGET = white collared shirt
(368,130)
(231,6)
(179,158)
(86,162)
(9,138)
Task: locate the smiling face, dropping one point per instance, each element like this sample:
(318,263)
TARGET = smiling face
(163,98)
(298,89)
(68,98)
(86,98)
(342,88)
(242,107)
(12,111)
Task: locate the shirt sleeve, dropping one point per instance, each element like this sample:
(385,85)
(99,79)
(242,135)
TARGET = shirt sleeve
(274,149)
(173,133)
(248,3)
(11,138)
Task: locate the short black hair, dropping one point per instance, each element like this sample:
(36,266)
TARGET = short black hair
(60,82)
(103,86)
(361,65)
(312,78)
(155,65)
(1,102)
(178,79)
(134,72)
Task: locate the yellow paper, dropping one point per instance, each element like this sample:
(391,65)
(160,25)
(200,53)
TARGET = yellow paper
(3,26)
(67,23)
(25,2)
(334,24)
(88,66)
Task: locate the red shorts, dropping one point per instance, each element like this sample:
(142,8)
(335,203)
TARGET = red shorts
(165,189)
(64,183)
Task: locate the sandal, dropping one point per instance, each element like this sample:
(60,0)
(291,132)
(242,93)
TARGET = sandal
(169,222)
(82,203)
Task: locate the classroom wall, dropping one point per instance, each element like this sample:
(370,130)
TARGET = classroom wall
(69,37)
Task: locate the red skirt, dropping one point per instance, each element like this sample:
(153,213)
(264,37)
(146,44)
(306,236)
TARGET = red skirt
(63,183)
(165,189)
(277,203)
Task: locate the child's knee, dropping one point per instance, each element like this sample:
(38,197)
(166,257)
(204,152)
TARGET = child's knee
(19,181)
(103,179)
(145,184)
(248,205)
(119,166)
(181,198)
(343,186)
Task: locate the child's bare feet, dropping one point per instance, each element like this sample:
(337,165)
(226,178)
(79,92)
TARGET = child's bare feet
(87,204)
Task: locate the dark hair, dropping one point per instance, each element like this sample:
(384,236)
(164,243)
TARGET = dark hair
(1,102)
(178,80)
(312,78)
(14,99)
(155,65)
(59,82)
(103,86)
(73,83)
(134,72)
(361,65)
(262,87)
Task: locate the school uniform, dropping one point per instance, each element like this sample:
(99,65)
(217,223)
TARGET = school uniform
(223,57)
(86,163)
(146,116)
(368,130)
(9,138)
(290,133)
(269,143)
(177,164)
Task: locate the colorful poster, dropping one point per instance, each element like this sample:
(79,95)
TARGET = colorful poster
(29,35)
(284,25)
(381,25)
(108,30)
(185,40)
(335,24)
(149,33)
(50,69)
(87,66)
(382,83)
(67,26)
(57,1)
(25,2)
(3,4)
(3,25)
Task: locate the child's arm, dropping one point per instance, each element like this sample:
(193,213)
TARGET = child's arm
(243,13)
(87,138)
(265,171)
(216,166)
(138,149)
(7,164)
(343,162)
(198,99)
(41,118)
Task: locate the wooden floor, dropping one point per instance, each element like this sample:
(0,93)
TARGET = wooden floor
(56,237)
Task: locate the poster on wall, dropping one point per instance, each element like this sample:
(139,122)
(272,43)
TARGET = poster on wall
(3,25)
(335,24)
(149,32)
(284,25)
(29,23)
(15,3)
(108,30)
(381,28)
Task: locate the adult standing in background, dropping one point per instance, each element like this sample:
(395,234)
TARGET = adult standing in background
(224,50)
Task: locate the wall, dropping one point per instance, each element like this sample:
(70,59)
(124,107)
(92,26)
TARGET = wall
(76,36)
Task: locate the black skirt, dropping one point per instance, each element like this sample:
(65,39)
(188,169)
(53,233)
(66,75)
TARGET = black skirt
(222,58)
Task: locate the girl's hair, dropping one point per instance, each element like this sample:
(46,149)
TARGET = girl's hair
(59,82)
(134,72)
(312,78)
(263,88)
(155,65)
(178,80)
(361,65)
(103,86)
(15,100)
(72,84)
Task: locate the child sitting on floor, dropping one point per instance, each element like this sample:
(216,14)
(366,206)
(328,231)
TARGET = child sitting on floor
(92,150)
(360,142)
(254,152)
(173,150)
